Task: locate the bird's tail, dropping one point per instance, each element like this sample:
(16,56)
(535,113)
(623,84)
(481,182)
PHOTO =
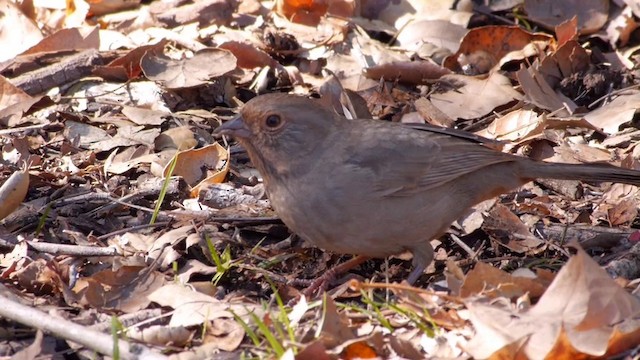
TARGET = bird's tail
(595,172)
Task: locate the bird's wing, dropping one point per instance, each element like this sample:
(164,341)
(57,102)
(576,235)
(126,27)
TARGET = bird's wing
(408,161)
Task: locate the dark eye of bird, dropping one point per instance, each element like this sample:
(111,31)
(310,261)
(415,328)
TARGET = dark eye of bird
(273,121)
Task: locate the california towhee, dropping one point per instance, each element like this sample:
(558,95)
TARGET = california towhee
(376,188)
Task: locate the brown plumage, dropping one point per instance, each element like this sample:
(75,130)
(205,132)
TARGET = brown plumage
(375,188)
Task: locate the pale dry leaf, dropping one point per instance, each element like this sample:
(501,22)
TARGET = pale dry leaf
(127,136)
(474,218)
(634,5)
(582,304)
(134,156)
(197,70)
(431,114)
(193,308)
(144,116)
(621,27)
(179,138)
(32,352)
(162,247)
(515,125)
(475,97)
(192,267)
(77,12)
(223,334)
(18,31)
(161,335)
(400,12)
(618,112)
(84,135)
(591,14)
(441,33)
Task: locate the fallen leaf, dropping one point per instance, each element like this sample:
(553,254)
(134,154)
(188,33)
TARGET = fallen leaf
(197,70)
(591,14)
(474,98)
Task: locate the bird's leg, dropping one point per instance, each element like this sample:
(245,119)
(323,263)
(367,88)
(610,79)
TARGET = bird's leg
(422,257)
(415,273)
(322,281)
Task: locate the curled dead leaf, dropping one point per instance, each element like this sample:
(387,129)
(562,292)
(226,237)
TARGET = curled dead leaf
(13,192)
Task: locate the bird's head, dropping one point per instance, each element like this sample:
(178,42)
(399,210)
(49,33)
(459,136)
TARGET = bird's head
(279,130)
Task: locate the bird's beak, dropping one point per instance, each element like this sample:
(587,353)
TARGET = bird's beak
(236,128)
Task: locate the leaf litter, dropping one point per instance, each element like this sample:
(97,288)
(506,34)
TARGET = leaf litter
(100,97)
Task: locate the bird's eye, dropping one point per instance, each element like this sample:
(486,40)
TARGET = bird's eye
(272,121)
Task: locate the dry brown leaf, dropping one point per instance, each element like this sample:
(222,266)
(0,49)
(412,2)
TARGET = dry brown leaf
(575,153)
(249,55)
(124,289)
(618,205)
(102,7)
(207,12)
(567,30)
(201,167)
(314,351)
(569,59)
(128,66)
(489,281)
(14,103)
(495,41)
(68,39)
(310,12)
(540,93)
(412,72)
(506,227)
(624,212)
(334,329)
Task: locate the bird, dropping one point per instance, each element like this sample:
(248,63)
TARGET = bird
(376,188)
